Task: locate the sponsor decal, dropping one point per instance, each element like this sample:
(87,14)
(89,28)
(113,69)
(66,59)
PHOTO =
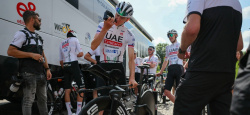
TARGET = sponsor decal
(92,109)
(113,43)
(21,7)
(172,53)
(111,51)
(173,50)
(121,34)
(63,28)
(87,37)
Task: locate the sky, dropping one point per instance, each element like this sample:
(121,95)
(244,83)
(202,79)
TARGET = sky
(159,16)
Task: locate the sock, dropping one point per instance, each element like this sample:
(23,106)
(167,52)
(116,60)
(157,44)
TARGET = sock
(68,106)
(79,107)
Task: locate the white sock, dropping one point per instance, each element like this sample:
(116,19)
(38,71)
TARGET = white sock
(79,107)
(68,106)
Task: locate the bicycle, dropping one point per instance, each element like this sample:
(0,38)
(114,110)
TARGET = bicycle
(113,104)
(159,87)
(55,95)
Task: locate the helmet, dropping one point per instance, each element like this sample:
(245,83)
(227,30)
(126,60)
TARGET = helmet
(152,47)
(124,9)
(172,32)
(71,33)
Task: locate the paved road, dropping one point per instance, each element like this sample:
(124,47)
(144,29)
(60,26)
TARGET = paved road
(7,108)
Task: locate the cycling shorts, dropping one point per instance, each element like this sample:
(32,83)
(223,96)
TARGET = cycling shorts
(109,67)
(72,71)
(174,73)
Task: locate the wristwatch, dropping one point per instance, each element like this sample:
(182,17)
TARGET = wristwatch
(181,51)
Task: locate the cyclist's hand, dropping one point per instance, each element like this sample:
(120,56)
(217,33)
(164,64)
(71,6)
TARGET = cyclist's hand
(49,75)
(181,56)
(133,82)
(158,74)
(108,23)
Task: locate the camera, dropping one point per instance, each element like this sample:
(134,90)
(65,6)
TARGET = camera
(107,14)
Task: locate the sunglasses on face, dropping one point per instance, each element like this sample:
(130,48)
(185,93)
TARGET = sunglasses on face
(170,35)
(150,49)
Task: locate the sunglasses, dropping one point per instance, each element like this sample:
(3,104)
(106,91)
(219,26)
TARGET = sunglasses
(170,35)
(150,49)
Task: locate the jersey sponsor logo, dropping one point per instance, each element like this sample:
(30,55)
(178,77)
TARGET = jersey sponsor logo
(114,37)
(113,43)
(121,34)
(111,51)
(172,53)
(173,50)
(111,47)
(21,7)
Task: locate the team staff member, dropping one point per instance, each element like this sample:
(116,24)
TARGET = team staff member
(113,37)
(152,60)
(70,49)
(213,29)
(175,66)
(27,46)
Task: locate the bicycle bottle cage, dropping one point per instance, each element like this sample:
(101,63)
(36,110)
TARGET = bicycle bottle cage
(112,75)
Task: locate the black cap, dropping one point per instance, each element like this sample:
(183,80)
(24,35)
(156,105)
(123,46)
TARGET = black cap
(151,47)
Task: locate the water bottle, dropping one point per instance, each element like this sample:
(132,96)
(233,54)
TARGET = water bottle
(55,94)
(60,91)
(15,86)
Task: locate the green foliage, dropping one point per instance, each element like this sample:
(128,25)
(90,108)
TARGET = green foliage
(161,52)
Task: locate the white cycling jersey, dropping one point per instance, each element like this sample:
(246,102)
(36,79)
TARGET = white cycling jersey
(114,42)
(153,59)
(138,61)
(69,49)
(171,54)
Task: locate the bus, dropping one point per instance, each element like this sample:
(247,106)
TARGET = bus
(58,17)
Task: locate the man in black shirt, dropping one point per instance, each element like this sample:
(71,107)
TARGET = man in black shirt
(27,46)
(213,29)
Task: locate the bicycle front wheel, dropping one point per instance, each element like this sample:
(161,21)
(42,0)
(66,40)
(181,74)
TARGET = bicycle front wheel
(103,104)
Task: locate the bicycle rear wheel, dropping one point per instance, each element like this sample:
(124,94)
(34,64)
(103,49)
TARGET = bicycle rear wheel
(144,87)
(103,104)
(50,102)
(158,88)
(147,99)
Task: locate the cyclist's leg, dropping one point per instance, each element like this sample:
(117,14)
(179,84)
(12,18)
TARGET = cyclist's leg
(179,71)
(67,86)
(78,77)
(169,83)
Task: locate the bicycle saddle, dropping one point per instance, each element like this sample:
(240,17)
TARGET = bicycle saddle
(143,66)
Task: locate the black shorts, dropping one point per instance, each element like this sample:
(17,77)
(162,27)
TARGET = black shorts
(72,71)
(137,77)
(174,73)
(109,67)
(197,89)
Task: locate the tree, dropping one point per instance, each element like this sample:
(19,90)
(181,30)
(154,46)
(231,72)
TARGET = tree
(161,52)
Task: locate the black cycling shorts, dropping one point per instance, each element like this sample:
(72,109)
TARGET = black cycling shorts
(108,67)
(174,73)
(72,71)
(197,89)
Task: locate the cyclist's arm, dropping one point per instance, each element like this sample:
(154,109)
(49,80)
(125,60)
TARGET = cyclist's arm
(164,65)
(100,35)
(88,57)
(190,31)
(240,43)
(131,63)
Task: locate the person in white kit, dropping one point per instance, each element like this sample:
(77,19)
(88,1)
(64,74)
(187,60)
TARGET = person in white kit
(113,37)
(152,60)
(70,50)
(175,67)
(138,61)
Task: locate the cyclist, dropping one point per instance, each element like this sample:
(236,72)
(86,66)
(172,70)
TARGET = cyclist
(94,58)
(70,49)
(152,60)
(137,70)
(175,67)
(113,37)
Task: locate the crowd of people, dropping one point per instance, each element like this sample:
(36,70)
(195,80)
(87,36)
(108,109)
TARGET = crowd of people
(210,39)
